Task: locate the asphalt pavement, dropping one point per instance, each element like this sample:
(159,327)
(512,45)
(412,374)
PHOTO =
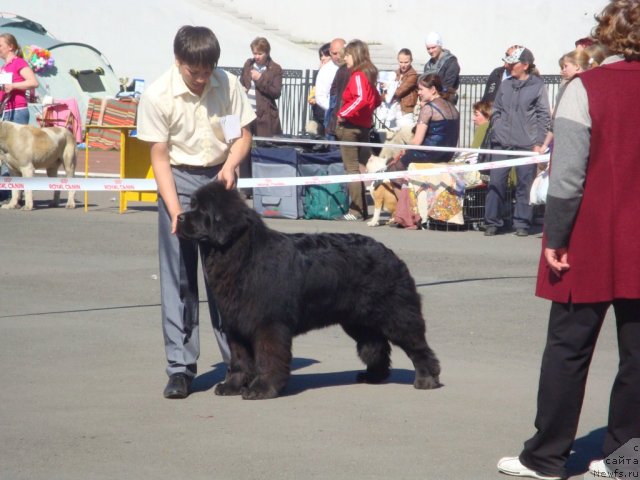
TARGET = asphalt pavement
(82,365)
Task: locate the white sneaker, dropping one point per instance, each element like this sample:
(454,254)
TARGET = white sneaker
(599,469)
(512,466)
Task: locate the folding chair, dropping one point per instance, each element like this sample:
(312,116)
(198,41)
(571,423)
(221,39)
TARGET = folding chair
(63,113)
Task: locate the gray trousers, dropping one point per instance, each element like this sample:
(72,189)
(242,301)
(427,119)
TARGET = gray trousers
(179,282)
(497,195)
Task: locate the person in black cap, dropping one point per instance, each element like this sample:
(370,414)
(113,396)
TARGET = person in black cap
(520,121)
(496,77)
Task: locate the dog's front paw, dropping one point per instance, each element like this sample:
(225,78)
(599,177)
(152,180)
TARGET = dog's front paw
(27,208)
(373,223)
(9,206)
(227,389)
(426,383)
(261,392)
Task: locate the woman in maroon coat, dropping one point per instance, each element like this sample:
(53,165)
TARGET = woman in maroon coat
(591,251)
(262,78)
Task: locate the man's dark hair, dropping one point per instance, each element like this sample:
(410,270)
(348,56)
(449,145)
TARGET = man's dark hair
(196,46)
(324,50)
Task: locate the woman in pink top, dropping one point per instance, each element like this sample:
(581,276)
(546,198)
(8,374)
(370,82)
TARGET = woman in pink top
(12,95)
(23,79)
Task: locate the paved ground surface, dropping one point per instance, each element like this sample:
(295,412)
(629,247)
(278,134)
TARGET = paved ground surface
(82,365)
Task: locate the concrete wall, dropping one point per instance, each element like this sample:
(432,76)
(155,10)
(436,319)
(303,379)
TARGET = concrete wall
(477,31)
(137,36)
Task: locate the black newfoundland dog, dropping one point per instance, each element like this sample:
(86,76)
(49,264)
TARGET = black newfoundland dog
(271,286)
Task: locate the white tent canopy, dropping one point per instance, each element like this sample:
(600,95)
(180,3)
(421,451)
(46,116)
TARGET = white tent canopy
(74,63)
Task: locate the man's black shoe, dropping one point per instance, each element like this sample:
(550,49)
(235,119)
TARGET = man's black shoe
(178,386)
(490,231)
(522,232)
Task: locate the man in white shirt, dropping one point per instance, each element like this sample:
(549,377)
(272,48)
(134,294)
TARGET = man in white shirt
(185,115)
(327,72)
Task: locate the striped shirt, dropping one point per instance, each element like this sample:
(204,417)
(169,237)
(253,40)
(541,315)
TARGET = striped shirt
(251,93)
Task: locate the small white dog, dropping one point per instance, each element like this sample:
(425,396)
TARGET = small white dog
(383,193)
(24,148)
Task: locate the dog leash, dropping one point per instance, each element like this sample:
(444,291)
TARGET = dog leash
(3,104)
(384,125)
(376,183)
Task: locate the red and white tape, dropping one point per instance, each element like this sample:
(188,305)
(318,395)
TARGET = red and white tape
(148,184)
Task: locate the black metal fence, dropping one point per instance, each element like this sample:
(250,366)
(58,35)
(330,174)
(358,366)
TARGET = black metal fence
(296,84)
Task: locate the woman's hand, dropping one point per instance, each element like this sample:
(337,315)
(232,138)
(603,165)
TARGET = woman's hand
(255,75)
(557,259)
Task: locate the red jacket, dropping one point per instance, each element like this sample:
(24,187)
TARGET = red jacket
(604,242)
(359,100)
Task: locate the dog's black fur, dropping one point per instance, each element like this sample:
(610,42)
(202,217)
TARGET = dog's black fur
(271,286)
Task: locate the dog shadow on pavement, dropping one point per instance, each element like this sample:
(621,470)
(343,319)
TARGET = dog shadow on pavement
(208,380)
(299,383)
(585,449)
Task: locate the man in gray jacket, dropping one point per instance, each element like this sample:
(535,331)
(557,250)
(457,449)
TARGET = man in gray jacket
(520,121)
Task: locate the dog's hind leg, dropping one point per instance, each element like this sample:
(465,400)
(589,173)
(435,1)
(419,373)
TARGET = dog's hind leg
(69,163)
(52,172)
(374,350)
(15,194)
(27,172)
(241,370)
(272,349)
(412,340)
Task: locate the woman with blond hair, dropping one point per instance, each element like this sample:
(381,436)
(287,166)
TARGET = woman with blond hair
(355,119)
(573,63)
(591,256)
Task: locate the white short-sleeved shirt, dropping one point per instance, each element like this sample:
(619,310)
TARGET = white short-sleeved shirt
(323,83)
(190,124)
